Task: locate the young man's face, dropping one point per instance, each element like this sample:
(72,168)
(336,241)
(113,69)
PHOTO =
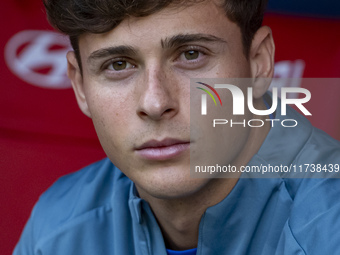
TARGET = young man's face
(136,89)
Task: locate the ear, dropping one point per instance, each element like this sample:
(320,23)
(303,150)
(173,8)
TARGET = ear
(261,57)
(76,77)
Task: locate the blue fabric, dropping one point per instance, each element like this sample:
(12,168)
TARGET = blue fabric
(266,100)
(186,252)
(97,210)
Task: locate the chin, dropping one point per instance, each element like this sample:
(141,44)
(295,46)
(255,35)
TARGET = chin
(170,186)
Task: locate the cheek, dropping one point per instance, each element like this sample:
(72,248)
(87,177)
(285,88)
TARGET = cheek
(224,142)
(233,64)
(220,145)
(235,67)
(107,102)
(110,111)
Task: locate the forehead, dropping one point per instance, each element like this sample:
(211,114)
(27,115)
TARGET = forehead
(196,18)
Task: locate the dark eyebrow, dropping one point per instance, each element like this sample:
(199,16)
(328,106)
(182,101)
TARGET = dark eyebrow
(180,39)
(110,51)
(171,42)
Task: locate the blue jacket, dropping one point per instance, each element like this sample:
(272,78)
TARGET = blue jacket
(97,211)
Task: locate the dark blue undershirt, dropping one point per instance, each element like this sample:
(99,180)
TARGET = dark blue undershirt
(186,252)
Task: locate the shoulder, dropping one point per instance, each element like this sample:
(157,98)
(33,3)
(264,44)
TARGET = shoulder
(321,146)
(313,222)
(77,195)
(93,183)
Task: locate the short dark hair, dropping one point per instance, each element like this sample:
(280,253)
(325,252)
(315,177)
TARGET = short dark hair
(76,17)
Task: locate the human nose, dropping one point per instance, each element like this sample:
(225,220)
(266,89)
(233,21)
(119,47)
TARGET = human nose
(158,100)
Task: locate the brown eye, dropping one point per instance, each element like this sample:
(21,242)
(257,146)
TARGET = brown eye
(191,54)
(119,65)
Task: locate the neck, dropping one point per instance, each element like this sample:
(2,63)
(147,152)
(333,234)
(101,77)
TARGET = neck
(179,218)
